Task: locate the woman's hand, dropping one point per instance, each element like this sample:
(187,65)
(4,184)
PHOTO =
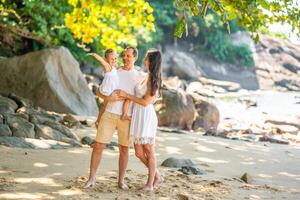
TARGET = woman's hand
(115,96)
(122,94)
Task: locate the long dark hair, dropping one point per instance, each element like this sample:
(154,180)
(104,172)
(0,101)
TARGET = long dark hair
(154,57)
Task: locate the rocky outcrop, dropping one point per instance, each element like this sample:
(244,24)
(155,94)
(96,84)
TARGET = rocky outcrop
(277,64)
(20,119)
(51,79)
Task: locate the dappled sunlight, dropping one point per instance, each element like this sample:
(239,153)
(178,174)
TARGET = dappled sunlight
(253,197)
(171,138)
(209,160)
(56,174)
(205,149)
(248,163)
(21,195)
(69,192)
(44,181)
(58,164)
(217,142)
(40,165)
(160,139)
(4,172)
(295,176)
(173,150)
(110,153)
(77,151)
(262,160)
(264,175)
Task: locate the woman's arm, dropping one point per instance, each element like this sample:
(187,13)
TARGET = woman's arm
(113,97)
(146,100)
(103,62)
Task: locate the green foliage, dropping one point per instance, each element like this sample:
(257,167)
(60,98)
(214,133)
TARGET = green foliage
(80,25)
(252,15)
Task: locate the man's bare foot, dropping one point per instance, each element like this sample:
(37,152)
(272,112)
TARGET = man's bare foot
(90,184)
(123,186)
(157,180)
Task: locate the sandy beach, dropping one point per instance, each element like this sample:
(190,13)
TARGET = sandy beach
(60,174)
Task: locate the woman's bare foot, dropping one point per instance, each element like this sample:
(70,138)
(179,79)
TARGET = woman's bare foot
(90,183)
(123,186)
(147,188)
(157,180)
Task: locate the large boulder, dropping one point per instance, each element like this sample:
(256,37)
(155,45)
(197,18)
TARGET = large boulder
(208,115)
(51,78)
(175,108)
(183,66)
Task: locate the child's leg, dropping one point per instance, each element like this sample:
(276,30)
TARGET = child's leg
(125,110)
(101,111)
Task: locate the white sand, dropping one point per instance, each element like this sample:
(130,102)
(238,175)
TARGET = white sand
(59,174)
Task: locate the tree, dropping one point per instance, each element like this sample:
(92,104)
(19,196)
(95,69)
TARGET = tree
(253,15)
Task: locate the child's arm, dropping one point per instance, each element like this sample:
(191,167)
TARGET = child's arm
(103,62)
(125,110)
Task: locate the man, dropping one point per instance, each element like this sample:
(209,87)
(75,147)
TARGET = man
(111,119)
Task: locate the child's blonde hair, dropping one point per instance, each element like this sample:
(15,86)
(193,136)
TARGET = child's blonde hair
(108,51)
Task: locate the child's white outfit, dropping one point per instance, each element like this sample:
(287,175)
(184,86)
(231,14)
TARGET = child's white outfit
(110,82)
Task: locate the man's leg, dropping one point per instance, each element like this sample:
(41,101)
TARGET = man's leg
(95,160)
(123,139)
(107,126)
(123,161)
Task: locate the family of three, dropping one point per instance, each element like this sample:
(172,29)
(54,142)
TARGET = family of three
(128,96)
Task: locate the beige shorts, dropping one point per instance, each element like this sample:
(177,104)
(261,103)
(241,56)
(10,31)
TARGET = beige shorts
(110,122)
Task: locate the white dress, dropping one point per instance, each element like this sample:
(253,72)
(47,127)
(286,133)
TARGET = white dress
(110,82)
(144,120)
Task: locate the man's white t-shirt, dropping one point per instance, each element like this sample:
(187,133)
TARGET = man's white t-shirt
(127,82)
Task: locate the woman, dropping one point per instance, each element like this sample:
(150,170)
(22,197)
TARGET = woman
(144,120)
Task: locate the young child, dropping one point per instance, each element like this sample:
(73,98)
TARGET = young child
(110,81)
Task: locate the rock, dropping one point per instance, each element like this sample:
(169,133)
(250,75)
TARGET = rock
(279,61)
(174,83)
(175,109)
(19,126)
(53,78)
(7,105)
(61,128)
(71,121)
(182,197)
(4,130)
(208,116)
(249,102)
(47,132)
(226,85)
(87,140)
(191,170)
(272,139)
(22,102)
(246,178)
(177,163)
(1,119)
(39,115)
(112,145)
(183,66)
(32,143)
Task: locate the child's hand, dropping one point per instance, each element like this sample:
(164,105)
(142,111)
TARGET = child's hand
(92,54)
(125,117)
